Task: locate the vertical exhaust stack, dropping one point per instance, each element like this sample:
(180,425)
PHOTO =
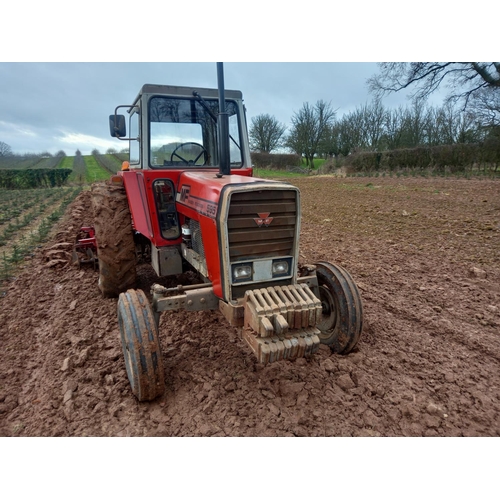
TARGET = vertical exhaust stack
(223,126)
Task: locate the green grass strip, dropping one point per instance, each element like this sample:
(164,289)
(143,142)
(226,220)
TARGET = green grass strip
(273,174)
(67,162)
(94,171)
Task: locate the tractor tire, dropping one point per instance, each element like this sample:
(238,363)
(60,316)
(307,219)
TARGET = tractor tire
(141,346)
(342,318)
(115,239)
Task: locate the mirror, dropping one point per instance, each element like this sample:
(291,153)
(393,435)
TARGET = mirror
(117,127)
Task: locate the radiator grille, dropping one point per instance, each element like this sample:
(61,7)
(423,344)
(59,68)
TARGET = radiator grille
(248,234)
(196,241)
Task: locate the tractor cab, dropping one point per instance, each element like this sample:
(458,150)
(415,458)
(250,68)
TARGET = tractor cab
(178,128)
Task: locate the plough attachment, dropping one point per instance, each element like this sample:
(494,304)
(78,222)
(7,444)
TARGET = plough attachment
(85,248)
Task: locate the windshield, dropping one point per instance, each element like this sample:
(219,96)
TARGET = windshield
(184,133)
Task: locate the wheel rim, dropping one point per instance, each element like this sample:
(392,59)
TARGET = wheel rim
(329,313)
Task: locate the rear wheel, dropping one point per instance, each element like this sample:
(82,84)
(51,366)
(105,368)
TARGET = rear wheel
(140,345)
(342,317)
(115,239)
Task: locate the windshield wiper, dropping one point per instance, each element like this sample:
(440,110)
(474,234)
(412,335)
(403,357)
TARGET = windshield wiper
(211,113)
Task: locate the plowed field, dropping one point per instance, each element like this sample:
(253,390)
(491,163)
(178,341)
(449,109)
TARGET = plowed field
(425,254)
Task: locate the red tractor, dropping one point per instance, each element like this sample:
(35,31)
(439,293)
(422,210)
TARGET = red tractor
(187,199)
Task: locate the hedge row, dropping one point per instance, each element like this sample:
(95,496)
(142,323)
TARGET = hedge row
(455,157)
(35,178)
(275,161)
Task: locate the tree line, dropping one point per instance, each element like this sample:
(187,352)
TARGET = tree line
(470,114)
(6,152)
(317,132)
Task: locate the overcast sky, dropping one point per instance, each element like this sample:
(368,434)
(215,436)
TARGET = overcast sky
(65,105)
(54,106)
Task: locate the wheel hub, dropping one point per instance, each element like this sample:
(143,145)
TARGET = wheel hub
(328,310)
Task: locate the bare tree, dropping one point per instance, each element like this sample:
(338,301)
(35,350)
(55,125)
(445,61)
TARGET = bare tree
(452,126)
(5,149)
(266,133)
(329,145)
(353,131)
(309,126)
(350,135)
(344,136)
(486,107)
(372,117)
(393,127)
(415,125)
(464,79)
(361,129)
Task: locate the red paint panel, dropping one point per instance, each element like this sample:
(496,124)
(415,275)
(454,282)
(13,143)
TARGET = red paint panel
(139,186)
(137,197)
(212,254)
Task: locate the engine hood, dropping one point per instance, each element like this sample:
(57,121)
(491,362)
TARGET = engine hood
(201,191)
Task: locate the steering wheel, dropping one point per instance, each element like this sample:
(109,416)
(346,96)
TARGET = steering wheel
(190,162)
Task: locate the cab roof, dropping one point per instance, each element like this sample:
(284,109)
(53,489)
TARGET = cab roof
(174,90)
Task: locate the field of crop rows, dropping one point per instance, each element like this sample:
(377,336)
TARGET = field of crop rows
(30,162)
(85,169)
(26,217)
(88,169)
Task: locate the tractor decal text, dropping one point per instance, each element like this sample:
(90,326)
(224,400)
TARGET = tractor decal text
(203,207)
(263,220)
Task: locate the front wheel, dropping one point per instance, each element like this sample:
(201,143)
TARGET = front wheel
(342,309)
(141,346)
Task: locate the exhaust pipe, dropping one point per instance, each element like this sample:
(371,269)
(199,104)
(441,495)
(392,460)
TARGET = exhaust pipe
(223,126)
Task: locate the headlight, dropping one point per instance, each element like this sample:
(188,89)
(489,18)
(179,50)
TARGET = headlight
(280,267)
(242,273)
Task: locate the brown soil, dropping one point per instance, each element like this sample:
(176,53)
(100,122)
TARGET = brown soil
(426,256)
